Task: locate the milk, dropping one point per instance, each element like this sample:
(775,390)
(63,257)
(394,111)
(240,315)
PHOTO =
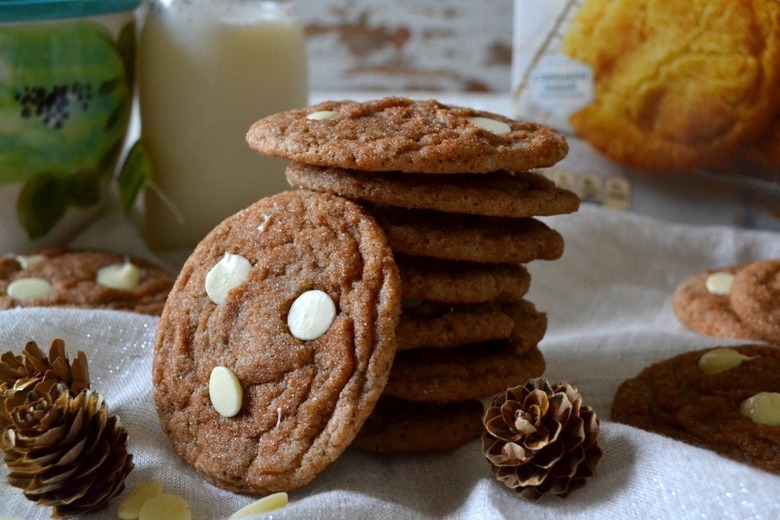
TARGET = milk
(205,75)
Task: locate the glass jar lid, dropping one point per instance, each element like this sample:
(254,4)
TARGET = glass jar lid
(40,10)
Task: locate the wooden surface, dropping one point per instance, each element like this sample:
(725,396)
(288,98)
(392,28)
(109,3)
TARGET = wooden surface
(456,45)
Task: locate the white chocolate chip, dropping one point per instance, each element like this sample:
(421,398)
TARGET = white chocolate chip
(311,315)
(721,359)
(28,260)
(124,277)
(225,391)
(24,289)
(491,125)
(266,504)
(321,115)
(762,408)
(229,273)
(719,283)
(167,506)
(131,506)
(264,223)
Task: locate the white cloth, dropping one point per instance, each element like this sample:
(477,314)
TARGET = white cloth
(608,304)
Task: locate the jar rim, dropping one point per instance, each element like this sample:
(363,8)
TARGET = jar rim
(41,10)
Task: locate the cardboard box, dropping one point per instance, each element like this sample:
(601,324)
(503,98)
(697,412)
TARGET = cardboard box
(672,108)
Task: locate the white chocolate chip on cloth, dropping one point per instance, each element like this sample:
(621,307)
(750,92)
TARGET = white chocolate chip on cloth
(262,388)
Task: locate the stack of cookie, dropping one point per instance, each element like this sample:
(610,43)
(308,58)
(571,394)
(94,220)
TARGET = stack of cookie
(452,190)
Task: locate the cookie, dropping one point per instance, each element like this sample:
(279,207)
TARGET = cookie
(461,282)
(433,325)
(468,237)
(87,279)
(498,194)
(406,135)
(461,373)
(400,426)
(677,85)
(676,398)
(707,312)
(530,325)
(755,297)
(291,305)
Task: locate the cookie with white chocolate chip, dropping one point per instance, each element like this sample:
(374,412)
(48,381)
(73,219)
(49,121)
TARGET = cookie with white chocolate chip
(723,399)
(702,304)
(88,279)
(406,135)
(277,341)
(732,302)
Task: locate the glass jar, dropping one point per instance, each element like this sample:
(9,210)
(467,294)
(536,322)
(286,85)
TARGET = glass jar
(208,69)
(66,91)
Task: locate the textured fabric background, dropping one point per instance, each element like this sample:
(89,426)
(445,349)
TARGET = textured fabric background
(608,303)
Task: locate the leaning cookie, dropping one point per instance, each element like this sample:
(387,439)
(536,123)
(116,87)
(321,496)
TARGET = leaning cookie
(402,134)
(277,340)
(723,399)
(498,194)
(86,279)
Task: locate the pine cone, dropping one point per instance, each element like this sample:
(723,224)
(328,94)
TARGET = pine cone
(65,451)
(19,374)
(540,439)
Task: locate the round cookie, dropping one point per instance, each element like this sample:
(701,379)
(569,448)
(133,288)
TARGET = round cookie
(400,426)
(678,85)
(707,313)
(498,194)
(461,282)
(298,403)
(87,279)
(433,325)
(676,398)
(755,297)
(461,373)
(402,134)
(468,237)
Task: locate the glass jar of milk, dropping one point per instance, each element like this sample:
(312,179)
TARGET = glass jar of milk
(208,69)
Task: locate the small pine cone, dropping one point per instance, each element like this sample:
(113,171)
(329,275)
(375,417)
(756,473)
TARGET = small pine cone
(20,373)
(64,451)
(540,439)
